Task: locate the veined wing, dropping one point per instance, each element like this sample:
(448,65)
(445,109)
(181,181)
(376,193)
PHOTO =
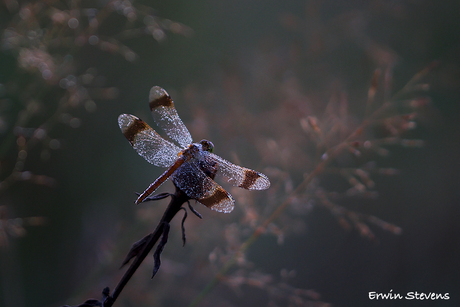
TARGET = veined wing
(237,175)
(148,143)
(165,115)
(192,180)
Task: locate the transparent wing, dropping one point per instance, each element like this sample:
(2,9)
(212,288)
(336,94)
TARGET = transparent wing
(165,115)
(148,143)
(237,175)
(193,181)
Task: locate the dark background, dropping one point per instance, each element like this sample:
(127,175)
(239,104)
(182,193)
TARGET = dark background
(91,221)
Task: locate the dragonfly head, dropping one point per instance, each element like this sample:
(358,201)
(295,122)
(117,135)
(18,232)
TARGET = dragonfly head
(207,145)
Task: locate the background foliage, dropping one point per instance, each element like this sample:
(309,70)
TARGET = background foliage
(249,76)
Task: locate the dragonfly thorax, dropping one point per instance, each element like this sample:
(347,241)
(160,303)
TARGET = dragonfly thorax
(195,149)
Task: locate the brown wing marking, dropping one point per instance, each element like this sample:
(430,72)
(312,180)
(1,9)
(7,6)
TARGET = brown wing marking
(237,175)
(148,144)
(250,178)
(136,126)
(160,98)
(218,200)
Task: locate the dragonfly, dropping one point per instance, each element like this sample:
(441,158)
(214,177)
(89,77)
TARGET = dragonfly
(192,167)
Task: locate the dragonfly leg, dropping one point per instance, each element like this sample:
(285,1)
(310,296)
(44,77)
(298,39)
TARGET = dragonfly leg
(193,210)
(182,226)
(161,245)
(155,197)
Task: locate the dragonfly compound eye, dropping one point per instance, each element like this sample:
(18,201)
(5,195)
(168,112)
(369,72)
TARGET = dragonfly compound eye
(207,145)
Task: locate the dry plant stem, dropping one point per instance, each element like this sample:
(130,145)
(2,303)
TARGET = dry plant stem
(174,206)
(331,154)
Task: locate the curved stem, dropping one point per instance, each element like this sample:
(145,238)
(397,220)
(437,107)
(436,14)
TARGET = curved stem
(177,199)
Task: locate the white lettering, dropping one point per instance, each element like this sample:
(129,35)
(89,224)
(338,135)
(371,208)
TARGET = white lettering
(385,296)
(426,296)
(413,295)
(410,296)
